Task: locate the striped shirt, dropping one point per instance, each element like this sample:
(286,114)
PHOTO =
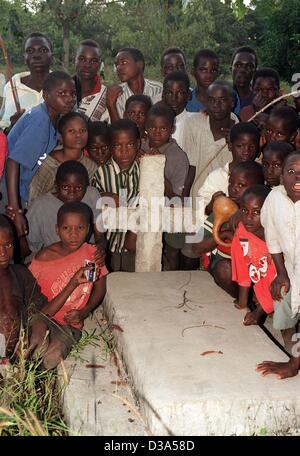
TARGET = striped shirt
(151,88)
(110,178)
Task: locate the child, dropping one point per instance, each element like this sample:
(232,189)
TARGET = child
(266,86)
(244,146)
(119,175)
(250,259)
(71,185)
(242,176)
(32,138)
(54,268)
(282,125)
(280,219)
(130,64)
(243,66)
(74,134)
(136,109)
(205,70)
(172,59)
(176,93)
(98,142)
(274,153)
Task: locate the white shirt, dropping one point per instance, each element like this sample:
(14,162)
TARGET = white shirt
(27,96)
(151,88)
(179,126)
(202,150)
(94,106)
(216,181)
(280,218)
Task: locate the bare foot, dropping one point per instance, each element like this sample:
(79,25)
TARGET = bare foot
(256,317)
(281,370)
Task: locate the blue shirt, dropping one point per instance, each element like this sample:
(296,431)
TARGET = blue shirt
(194,105)
(30,140)
(240,104)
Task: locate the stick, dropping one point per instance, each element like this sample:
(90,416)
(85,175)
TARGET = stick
(9,76)
(286,95)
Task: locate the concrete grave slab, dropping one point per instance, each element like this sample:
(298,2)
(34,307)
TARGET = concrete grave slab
(192,362)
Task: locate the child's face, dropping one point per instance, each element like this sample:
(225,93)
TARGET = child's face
(272,167)
(75,134)
(239,181)
(98,149)
(37,54)
(6,248)
(219,103)
(72,188)
(291,178)
(243,67)
(127,68)
(87,62)
(250,207)
(277,129)
(124,147)
(244,148)
(72,230)
(61,98)
(159,130)
(206,72)
(173,62)
(176,95)
(267,88)
(136,111)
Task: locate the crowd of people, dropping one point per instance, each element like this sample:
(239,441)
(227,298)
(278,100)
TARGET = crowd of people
(75,141)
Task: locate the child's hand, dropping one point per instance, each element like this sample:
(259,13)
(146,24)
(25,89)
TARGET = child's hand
(209,207)
(281,284)
(226,235)
(130,242)
(259,101)
(73,317)
(79,277)
(112,94)
(19,220)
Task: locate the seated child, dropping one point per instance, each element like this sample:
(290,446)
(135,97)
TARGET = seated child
(250,259)
(60,268)
(282,125)
(71,185)
(280,219)
(243,175)
(205,70)
(172,59)
(121,174)
(136,109)
(176,93)
(32,138)
(244,146)
(274,153)
(98,143)
(3,152)
(266,86)
(74,134)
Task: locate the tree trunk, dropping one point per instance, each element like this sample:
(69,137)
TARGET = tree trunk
(66,45)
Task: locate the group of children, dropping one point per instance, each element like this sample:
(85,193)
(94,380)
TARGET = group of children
(80,141)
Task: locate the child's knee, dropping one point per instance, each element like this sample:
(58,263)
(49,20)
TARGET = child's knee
(222,271)
(54,355)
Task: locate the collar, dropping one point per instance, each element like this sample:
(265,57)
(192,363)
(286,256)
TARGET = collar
(97,86)
(118,170)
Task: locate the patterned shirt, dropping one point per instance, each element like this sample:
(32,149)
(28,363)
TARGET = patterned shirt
(109,178)
(151,88)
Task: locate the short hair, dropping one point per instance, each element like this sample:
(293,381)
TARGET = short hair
(177,76)
(139,98)
(282,149)
(37,35)
(69,168)
(252,168)
(97,129)
(242,128)
(171,50)
(258,190)
(248,49)
(266,73)
(136,54)
(53,79)
(161,109)
(296,153)
(289,115)
(70,116)
(75,208)
(6,225)
(124,125)
(90,43)
(204,54)
(224,84)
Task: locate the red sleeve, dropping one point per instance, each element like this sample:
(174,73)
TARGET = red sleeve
(3,152)
(239,266)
